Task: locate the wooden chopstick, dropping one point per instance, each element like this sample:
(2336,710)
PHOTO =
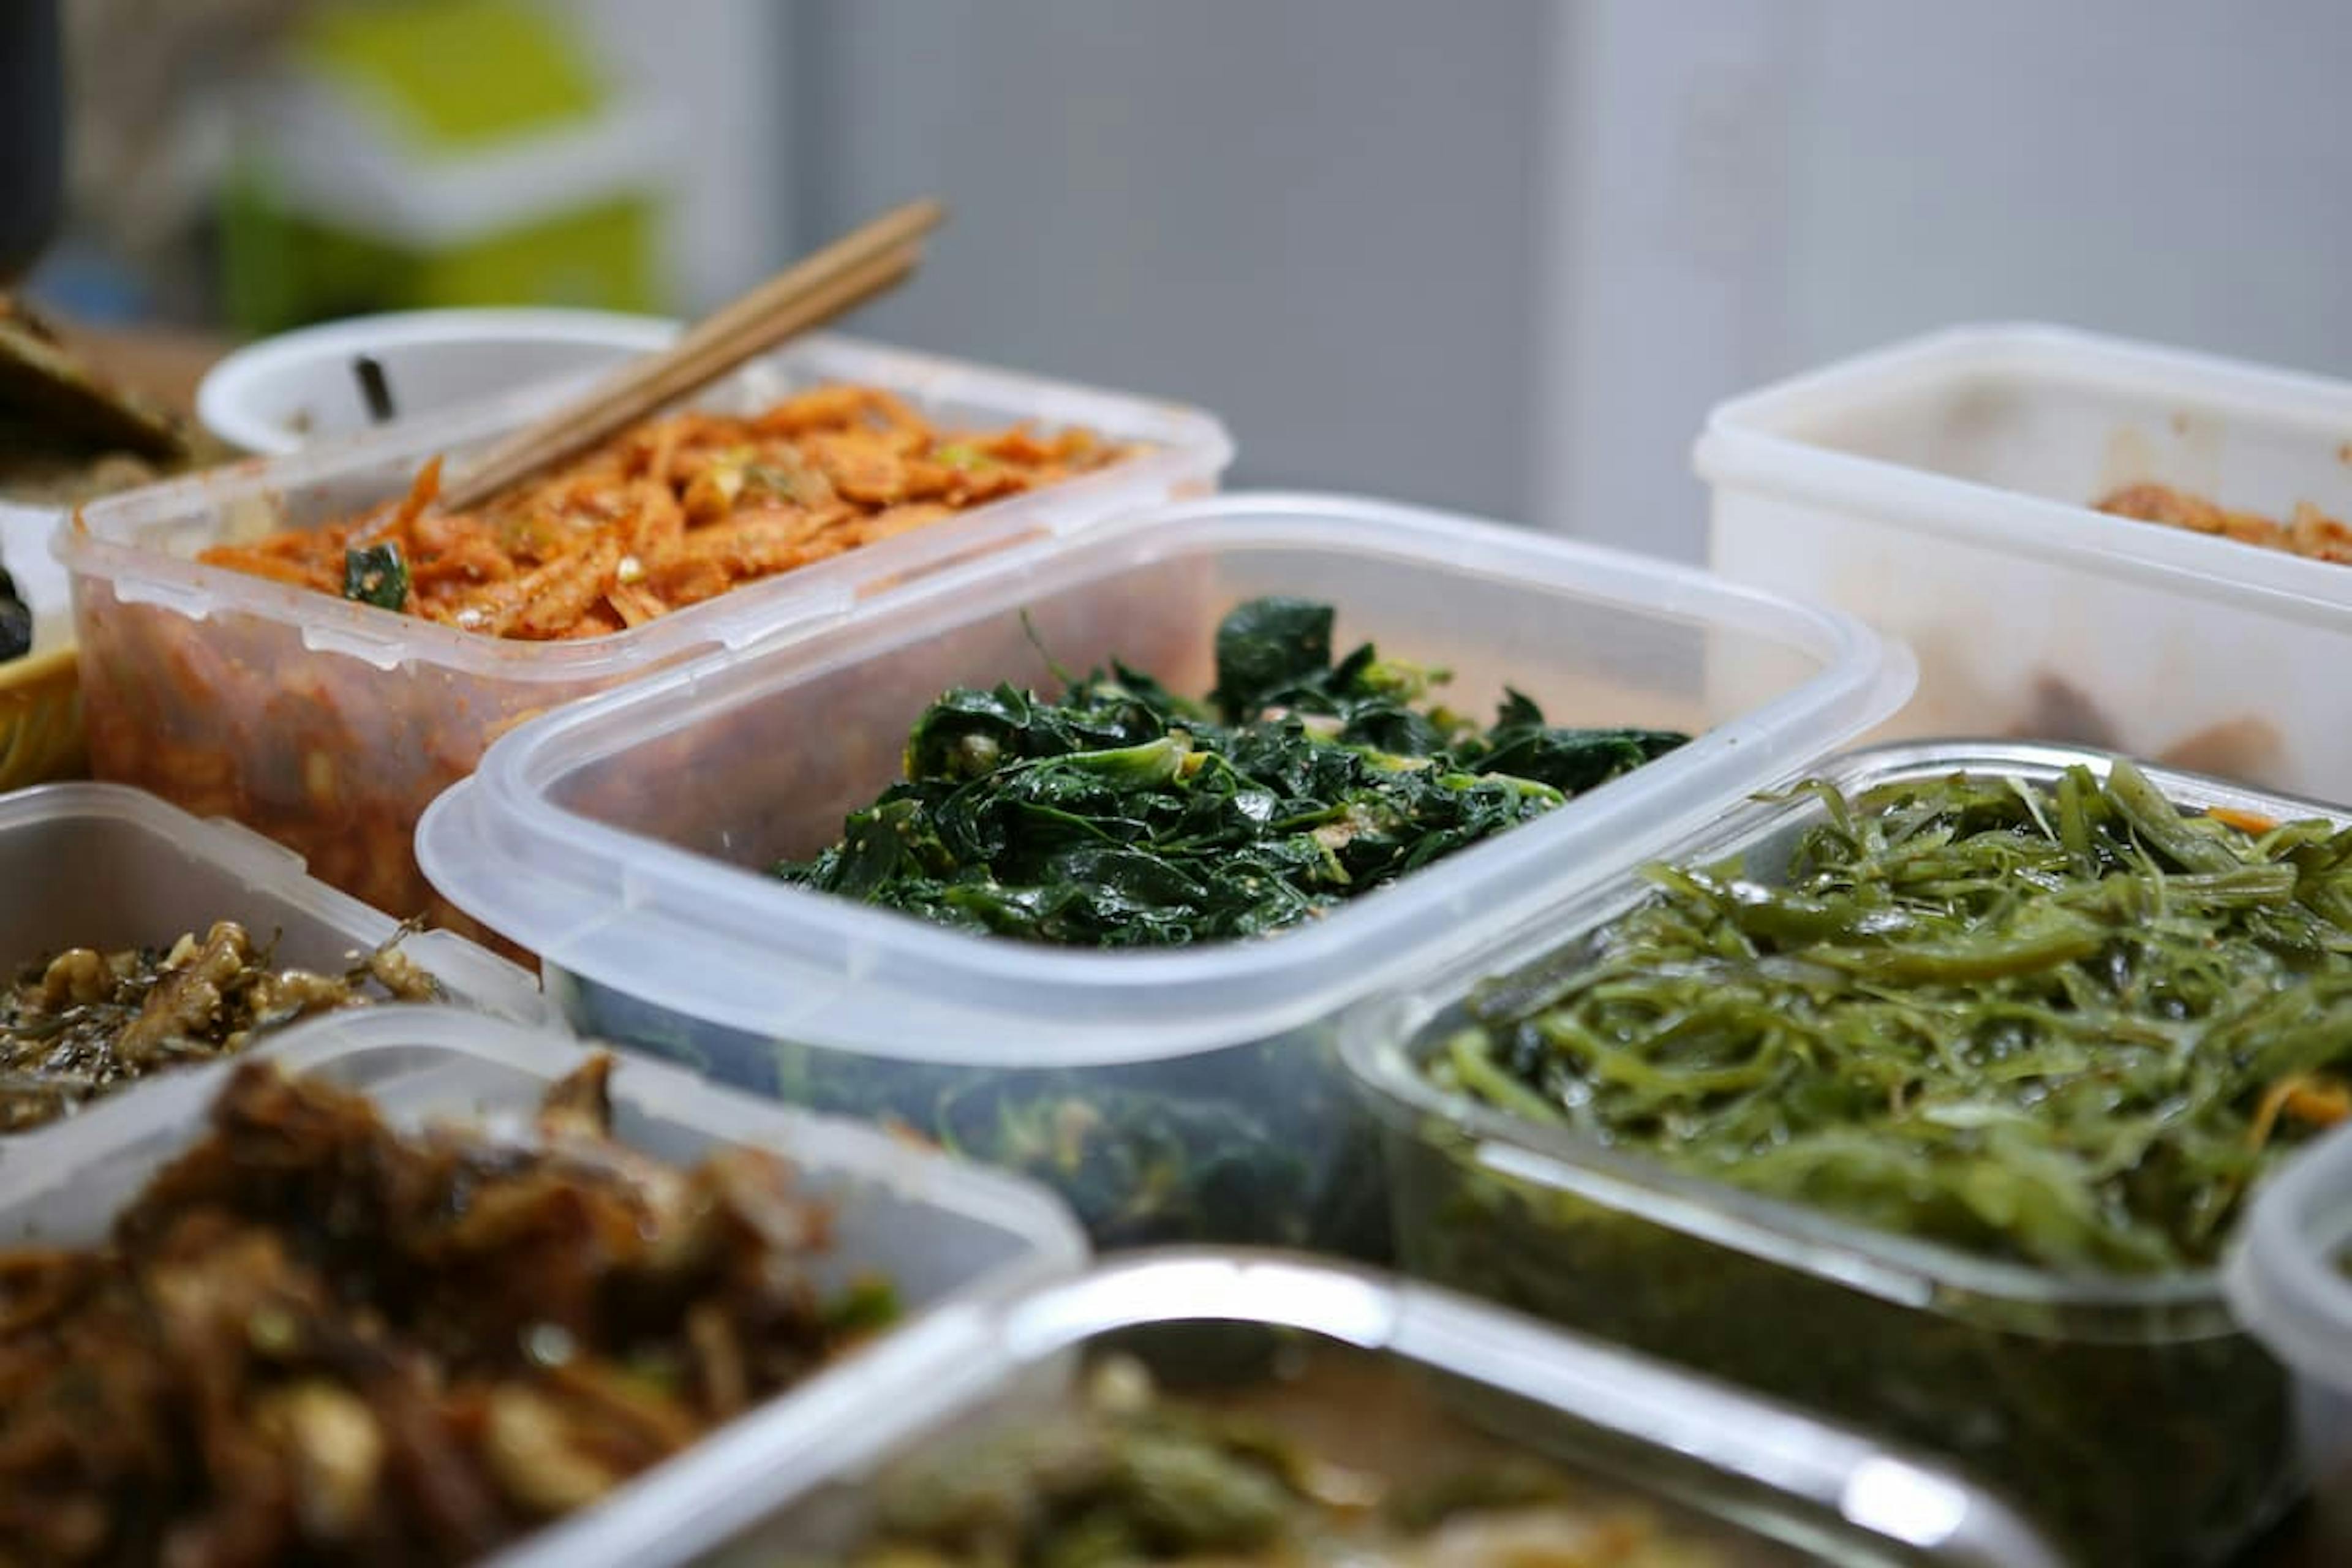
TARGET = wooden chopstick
(852,270)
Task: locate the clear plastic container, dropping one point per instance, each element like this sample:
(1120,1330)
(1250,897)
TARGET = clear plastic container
(330,725)
(2290,1279)
(1393,1377)
(2132,1415)
(1941,488)
(950,1238)
(1179,1094)
(89,865)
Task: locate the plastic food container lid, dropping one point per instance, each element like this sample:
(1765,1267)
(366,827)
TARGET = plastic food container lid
(726,945)
(2286,1273)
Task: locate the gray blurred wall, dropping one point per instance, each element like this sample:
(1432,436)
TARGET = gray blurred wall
(1501,255)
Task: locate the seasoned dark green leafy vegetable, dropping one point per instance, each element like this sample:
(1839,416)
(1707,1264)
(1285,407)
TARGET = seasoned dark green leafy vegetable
(2069,1029)
(1122,815)
(376,574)
(1132,1476)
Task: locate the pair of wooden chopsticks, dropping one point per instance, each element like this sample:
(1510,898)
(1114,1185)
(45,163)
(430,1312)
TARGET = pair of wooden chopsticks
(849,271)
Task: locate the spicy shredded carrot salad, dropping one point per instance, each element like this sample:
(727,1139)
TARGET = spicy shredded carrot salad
(676,510)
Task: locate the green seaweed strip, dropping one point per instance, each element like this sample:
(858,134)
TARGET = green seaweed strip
(2070,1028)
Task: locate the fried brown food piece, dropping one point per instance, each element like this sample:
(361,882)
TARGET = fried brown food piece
(315,1337)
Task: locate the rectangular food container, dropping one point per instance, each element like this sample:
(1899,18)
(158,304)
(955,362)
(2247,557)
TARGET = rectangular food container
(950,1237)
(1178,1094)
(2134,1416)
(2290,1279)
(1942,490)
(103,866)
(1392,1377)
(329,725)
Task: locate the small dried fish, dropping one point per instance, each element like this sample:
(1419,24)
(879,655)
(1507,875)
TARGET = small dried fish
(82,1023)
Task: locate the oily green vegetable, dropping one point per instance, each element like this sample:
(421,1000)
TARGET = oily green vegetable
(1121,814)
(1134,1476)
(2070,1029)
(2068,1026)
(376,574)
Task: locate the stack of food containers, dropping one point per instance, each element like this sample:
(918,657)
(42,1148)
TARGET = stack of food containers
(1940,491)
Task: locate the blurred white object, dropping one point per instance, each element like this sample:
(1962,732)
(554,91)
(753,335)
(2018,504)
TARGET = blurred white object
(277,395)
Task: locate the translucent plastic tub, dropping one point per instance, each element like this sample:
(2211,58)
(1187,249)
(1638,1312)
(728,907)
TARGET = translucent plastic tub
(1402,1381)
(2290,1279)
(1942,489)
(2133,1414)
(949,1237)
(1183,1093)
(329,725)
(85,865)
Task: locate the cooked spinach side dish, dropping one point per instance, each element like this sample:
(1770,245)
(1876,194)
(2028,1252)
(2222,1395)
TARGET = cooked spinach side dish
(1132,1475)
(1121,814)
(2069,1029)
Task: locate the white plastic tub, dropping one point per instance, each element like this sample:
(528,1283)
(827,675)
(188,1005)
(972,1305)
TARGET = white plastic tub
(329,725)
(291,390)
(950,1239)
(1319,1351)
(1942,489)
(2289,1278)
(1185,1093)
